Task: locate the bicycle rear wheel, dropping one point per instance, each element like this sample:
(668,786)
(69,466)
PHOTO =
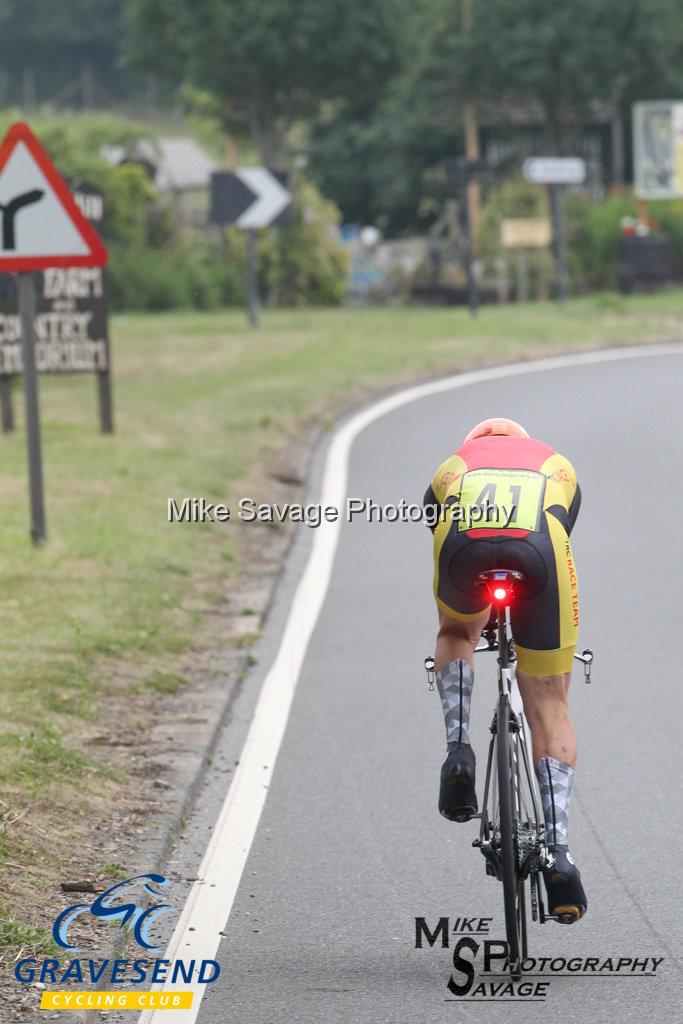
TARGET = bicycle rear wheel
(513,891)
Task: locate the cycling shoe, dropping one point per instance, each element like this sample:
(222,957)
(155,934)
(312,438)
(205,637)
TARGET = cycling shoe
(457,796)
(566,898)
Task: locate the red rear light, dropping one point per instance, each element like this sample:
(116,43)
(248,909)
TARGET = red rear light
(502,585)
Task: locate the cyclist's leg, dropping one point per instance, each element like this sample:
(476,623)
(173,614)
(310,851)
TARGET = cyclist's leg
(458,636)
(454,663)
(554,755)
(545,629)
(456,640)
(461,619)
(546,708)
(463,613)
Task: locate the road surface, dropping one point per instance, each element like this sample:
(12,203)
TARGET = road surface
(350,849)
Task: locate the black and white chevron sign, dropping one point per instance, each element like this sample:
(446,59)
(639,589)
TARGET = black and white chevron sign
(250,197)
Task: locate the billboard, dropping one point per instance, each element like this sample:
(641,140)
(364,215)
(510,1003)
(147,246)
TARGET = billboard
(658,149)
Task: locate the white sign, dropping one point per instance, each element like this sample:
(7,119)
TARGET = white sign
(554,170)
(658,149)
(40,223)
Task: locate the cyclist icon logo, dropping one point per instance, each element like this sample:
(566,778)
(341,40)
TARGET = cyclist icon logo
(132,918)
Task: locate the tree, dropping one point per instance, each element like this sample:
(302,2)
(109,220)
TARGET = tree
(381,165)
(271,62)
(552,59)
(563,56)
(44,46)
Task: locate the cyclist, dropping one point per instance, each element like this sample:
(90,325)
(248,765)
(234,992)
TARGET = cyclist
(507,501)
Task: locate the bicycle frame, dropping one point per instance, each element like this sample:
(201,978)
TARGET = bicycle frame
(531,853)
(514,842)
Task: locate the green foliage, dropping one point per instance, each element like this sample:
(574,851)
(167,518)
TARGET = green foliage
(57,41)
(529,54)
(270,62)
(188,274)
(512,198)
(378,164)
(74,142)
(563,56)
(145,257)
(305,262)
(515,197)
(668,215)
(164,682)
(594,230)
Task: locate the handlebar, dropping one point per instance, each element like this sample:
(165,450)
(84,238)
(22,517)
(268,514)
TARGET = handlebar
(587,660)
(491,644)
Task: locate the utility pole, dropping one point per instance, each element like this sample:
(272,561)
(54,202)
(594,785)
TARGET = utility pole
(617,133)
(556,197)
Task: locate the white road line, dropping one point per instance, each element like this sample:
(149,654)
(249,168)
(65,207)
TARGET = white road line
(209,904)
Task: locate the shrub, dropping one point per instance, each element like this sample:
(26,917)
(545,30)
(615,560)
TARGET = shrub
(143,279)
(594,230)
(184,275)
(514,197)
(305,262)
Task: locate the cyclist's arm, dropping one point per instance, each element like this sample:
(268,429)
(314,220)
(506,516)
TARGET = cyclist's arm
(563,494)
(435,495)
(432,507)
(574,507)
(573,494)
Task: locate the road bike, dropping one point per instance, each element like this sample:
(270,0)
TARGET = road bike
(512,831)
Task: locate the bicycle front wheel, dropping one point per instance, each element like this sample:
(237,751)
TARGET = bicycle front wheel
(513,896)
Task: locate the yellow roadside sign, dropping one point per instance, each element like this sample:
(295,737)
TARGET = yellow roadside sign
(525,233)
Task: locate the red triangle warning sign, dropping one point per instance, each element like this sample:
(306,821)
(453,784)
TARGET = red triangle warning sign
(40,223)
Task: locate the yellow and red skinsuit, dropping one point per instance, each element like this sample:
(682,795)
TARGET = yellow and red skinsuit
(541,485)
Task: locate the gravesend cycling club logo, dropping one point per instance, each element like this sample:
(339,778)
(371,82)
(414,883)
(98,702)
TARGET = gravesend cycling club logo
(135,919)
(134,905)
(481,971)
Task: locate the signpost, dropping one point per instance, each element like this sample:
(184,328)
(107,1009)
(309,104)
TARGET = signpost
(71,323)
(463,172)
(250,198)
(40,226)
(520,234)
(556,172)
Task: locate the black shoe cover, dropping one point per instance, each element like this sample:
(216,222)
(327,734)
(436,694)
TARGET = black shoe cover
(566,898)
(457,796)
